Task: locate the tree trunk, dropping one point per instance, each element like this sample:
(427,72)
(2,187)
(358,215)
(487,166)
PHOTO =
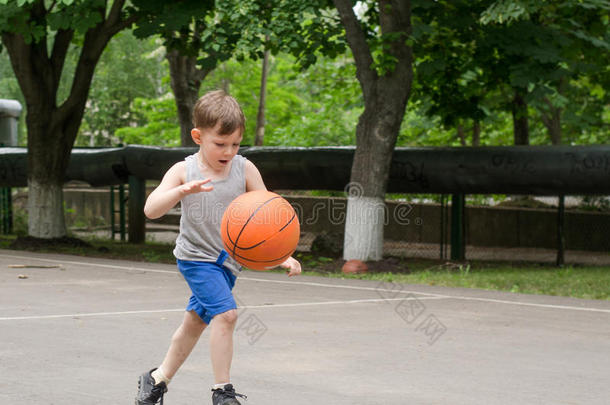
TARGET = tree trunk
(552,122)
(46,168)
(376,137)
(52,129)
(185,79)
(385,101)
(45,203)
(520,119)
(520,128)
(260,117)
(461,134)
(476,133)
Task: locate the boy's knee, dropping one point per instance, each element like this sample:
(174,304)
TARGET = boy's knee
(192,323)
(229,317)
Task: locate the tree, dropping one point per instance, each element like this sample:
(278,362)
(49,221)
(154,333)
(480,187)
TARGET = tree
(182,39)
(545,46)
(244,29)
(450,82)
(36,35)
(260,116)
(301,110)
(379,43)
(156,123)
(206,34)
(128,69)
(472,54)
(301,28)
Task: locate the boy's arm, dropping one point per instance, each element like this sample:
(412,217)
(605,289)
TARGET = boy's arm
(292,266)
(171,190)
(254,181)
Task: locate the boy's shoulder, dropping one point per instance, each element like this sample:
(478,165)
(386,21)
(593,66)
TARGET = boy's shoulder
(249,165)
(178,171)
(179,166)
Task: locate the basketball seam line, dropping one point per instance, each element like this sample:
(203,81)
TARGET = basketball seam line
(264,240)
(243,227)
(264,261)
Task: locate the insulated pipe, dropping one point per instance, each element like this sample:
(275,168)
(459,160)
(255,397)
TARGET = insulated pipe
(538,170)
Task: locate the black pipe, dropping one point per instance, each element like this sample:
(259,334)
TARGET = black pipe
(537,170)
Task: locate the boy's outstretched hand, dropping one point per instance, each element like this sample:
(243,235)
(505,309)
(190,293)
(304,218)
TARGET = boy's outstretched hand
(293,266)
(195,186)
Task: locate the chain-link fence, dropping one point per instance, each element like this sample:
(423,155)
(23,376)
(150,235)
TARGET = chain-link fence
(438,227)
(6,211)
(512,228)
(477,227)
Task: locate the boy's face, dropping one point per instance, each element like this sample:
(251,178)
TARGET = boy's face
(216,149)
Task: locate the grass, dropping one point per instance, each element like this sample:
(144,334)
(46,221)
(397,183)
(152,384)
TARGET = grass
(577,282)
(528,278)
(105,248)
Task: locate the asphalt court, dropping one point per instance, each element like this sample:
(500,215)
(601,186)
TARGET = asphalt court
(78,330)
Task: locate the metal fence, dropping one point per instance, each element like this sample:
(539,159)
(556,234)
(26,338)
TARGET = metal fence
(6,211)
(534,229)
(438,227)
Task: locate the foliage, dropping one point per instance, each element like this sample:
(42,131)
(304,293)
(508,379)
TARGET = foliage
(508,11)
(316,106)
(129,69)
(157,123)
(9,89)
(450,83)
(471,54)
(332,104)
(303,28)
(78,15)
(320,105)
(200,36)
(595,203)
(194,28)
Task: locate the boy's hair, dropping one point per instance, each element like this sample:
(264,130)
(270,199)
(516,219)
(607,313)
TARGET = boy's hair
(217,107)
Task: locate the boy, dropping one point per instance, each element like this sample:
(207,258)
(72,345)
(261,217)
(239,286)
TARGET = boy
(205,183)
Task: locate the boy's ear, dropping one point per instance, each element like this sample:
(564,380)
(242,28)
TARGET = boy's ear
(196,135)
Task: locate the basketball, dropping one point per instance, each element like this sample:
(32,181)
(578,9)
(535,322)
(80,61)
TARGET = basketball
(354,267)
(260,230)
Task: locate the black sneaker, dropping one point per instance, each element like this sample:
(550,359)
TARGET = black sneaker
(148,392)
(226,396)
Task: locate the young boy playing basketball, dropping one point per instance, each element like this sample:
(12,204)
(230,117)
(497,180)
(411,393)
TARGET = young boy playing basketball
(205,183)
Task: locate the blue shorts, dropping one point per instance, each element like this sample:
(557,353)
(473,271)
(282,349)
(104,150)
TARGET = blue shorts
(211,284)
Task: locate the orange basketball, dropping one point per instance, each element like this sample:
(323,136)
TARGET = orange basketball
(260,230)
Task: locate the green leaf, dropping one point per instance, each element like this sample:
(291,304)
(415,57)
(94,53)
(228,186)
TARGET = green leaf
(591,39)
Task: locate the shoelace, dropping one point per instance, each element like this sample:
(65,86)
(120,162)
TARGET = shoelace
(231,393)
(157,393)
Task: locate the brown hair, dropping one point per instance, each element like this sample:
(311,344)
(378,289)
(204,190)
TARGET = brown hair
(218,107)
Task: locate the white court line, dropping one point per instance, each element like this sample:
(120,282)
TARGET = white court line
(458,297)
(298,304)
(527,304)
(142,269)
(348,287)
(432,295)
(90,314)
(108,266)
(362,301)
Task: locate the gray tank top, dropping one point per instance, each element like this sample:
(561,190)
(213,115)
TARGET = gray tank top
(199,238)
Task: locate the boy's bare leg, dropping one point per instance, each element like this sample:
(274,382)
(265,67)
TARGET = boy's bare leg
(221,345)
(183,341)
